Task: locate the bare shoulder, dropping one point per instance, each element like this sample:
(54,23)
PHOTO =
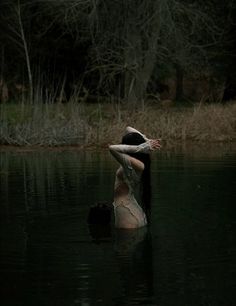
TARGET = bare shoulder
(136,164)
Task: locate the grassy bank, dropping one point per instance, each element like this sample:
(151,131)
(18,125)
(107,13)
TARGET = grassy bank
(89,125)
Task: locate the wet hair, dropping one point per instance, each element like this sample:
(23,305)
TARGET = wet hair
(145,186)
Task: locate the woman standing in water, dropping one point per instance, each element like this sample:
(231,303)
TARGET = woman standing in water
(134,171)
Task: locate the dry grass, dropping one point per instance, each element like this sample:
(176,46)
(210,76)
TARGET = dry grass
(100,124)
(213,122)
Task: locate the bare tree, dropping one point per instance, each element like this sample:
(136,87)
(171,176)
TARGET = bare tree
(192,35)
(13,22)
(21,35)
(125,36)
(131,37)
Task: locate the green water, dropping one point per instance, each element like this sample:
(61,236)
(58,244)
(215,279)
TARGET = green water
(50,256)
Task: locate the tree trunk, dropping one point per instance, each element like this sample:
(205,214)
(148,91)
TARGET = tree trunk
(22,33)
(140,56)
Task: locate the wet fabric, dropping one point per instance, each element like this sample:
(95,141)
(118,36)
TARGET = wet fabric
(128,213)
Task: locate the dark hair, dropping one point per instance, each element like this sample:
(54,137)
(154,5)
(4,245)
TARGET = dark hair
(145,187)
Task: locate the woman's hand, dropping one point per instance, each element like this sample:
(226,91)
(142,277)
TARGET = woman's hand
(155,144)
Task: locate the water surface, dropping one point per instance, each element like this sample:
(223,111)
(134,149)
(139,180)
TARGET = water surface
(50,256)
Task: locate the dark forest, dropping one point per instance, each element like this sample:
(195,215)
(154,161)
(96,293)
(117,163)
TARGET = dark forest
(127,50)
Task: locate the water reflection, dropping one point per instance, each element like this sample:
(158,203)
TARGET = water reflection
(52,182)
(133,249)
(50,256)
(60,267)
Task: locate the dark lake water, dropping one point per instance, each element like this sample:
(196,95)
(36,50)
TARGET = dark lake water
(50,256)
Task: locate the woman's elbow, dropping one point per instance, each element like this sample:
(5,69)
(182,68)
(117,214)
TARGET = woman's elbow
(114,150)
(111,148)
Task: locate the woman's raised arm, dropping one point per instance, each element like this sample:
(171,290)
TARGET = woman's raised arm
(121,151)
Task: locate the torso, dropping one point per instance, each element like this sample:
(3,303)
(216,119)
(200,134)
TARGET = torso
(128,213)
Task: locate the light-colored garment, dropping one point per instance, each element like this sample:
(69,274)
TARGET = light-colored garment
(128,213)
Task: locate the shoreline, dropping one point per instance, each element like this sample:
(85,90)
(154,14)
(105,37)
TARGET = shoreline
(190,148)
(82,126)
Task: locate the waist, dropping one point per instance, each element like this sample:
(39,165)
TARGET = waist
(125,200)
(124,194)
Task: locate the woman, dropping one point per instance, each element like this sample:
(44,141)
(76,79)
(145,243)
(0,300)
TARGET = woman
(134,171)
